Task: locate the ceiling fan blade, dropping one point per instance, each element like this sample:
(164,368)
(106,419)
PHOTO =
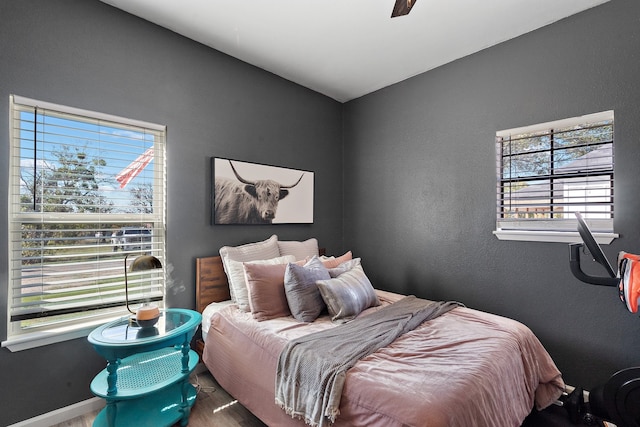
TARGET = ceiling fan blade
(402,7)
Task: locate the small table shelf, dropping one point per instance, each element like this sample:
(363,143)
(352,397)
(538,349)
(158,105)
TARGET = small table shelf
(145,382)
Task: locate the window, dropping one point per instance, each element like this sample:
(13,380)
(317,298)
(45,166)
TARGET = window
(547,172)
(87,195)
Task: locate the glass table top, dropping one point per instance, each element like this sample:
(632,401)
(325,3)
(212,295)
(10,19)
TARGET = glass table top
(123,331)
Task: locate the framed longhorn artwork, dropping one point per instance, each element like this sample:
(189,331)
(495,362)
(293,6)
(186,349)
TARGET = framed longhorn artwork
(252,193)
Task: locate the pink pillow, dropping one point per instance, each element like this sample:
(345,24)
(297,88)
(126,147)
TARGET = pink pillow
(334,262)
(265,284)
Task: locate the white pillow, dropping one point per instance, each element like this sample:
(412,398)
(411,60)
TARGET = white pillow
(265,249)
(237,280)
(301,250)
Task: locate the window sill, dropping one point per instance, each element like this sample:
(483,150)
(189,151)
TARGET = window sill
(52,336)
(552,236)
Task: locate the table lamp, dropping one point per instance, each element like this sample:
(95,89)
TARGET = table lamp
(147,315)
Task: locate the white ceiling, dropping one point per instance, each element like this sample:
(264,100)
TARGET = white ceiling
(348,48)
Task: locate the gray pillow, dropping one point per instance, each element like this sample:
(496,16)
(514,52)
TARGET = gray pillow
(303,296)
(344,267)
(348,295)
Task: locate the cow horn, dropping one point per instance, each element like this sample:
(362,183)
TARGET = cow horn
(291,186)
(242,180)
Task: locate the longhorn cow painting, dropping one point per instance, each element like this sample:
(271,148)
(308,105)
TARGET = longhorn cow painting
(251,193)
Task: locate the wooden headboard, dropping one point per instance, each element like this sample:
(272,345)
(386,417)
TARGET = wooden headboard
(211,281)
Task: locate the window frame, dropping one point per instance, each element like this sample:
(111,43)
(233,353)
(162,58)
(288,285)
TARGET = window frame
(551,230)
(19,338)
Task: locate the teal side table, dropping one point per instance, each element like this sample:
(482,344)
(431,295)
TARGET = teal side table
(146,382)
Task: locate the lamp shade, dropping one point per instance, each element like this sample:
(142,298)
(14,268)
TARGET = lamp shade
(145,262)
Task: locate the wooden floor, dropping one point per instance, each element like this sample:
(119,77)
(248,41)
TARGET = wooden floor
(215,407)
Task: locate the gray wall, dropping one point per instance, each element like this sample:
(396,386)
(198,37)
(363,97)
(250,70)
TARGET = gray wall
(418,167)
(420,183)
(86,54)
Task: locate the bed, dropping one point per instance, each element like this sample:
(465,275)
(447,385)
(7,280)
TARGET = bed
(462,368)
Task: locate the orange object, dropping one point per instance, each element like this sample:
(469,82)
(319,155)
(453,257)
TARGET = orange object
(629,287)
(147,315)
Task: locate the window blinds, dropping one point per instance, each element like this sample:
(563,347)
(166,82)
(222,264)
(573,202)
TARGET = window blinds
(546,173)
(86,191)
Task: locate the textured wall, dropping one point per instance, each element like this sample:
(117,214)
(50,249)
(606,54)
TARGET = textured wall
(86,54)
(420,183)
(418,167)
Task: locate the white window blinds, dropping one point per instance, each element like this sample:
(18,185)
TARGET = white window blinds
(547,172)
(87,190)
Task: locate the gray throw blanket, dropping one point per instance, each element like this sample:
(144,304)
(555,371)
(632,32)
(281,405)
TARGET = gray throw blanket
(312,369)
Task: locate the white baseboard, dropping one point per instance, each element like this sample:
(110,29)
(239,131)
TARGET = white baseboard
(63,414)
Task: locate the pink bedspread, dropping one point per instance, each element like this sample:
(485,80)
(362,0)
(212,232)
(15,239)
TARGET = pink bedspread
(464,368)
